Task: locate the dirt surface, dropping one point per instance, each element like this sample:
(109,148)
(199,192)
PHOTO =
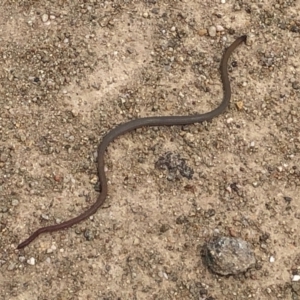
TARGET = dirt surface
(71,71)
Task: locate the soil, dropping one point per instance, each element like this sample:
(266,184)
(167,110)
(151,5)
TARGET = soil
(72,70)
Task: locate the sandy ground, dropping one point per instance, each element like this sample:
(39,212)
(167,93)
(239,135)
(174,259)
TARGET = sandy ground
(72,70)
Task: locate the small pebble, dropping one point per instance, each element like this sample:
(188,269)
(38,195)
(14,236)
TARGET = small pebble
(228,189)
(223,1)
(229,120)
(250,39)
(239,105)
(4,209)
(89,235)
(236,7)
(45,18)
(22,259)
(136,241)
(160,274)
(94,180)
(164,228)
(212,31)
(219,28)
(51,249)
(45,217)
(14,202)
(31,261)
(11,266)
(279,169)
(296,278)
(287,199)
(202,32)
(272,259)
(296,85)
(48,260)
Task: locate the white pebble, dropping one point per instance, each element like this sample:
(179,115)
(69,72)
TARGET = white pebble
(48,260)
(296,278)
(51,249)
(224,39)
(45,18)
(272,259)
(223,1)
(22,259)
(220,28)
(31,261)
(212,31)
(45,217)
(229,120)
(228,189)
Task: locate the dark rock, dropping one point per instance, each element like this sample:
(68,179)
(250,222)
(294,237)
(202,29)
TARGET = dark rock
(174,164)
(229,256)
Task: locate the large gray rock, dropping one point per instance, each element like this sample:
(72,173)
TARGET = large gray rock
(229,256)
